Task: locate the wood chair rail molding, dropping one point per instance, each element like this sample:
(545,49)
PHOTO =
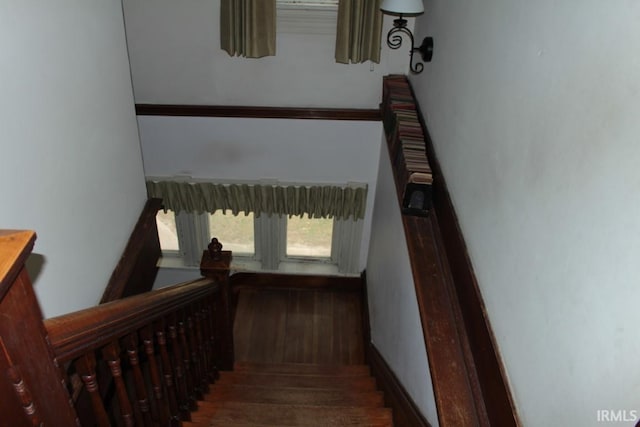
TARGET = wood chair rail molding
(354,114)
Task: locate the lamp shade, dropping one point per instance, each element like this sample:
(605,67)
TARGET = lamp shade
(402,7)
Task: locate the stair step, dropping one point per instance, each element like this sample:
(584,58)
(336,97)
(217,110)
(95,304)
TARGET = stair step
(303,369)
(257,414)
(353,383)
(294,396)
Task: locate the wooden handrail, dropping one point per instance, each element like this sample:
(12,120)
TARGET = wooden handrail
(31,385)
(136,270)
(143,359)
(74,334)
(15,247)
(469,383)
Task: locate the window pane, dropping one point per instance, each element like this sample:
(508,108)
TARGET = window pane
(234,232)
(309,2)
(167,231)
(309,237)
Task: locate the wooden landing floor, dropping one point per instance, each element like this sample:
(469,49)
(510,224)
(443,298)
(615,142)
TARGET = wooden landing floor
(299,326)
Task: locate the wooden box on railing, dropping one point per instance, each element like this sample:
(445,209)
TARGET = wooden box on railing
(405,137)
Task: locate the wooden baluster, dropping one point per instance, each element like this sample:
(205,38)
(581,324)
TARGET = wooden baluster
(162,414)
(207,331)
(86,367)
(24,396)
(197,328)
(196,348)
(168,401)
(111,354)
(215,338)
(219,330)
(187,363)
(193,352)
(24,345)
(130,343)
(178,363)
(215,265)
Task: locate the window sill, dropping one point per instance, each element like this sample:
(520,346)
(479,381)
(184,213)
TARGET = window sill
(248,265)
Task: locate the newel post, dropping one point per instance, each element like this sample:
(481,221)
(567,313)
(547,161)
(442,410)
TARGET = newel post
(31,382)
(216,265)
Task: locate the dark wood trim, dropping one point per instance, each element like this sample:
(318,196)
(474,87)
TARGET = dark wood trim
(31,385)
(355,114)
(294,281)
(405,411)
(15,247)
(366,318)
(77,333)
(492,380)
(137,268)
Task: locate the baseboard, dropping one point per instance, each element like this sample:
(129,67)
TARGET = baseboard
(294,281)
(405,411)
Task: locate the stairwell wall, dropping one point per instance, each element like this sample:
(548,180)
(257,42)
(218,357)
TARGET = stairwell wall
(533,110)
(71,167)
(176,59)
(250,149)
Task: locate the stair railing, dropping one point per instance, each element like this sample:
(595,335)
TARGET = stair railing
(161,350)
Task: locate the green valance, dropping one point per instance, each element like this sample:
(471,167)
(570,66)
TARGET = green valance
(316,201)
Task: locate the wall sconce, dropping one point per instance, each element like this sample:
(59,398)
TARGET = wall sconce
(402,8)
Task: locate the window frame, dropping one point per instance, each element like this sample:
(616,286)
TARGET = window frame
(270,239)
(331,259)
(307,17)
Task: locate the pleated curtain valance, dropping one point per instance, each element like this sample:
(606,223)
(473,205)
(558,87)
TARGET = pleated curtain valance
(315,201)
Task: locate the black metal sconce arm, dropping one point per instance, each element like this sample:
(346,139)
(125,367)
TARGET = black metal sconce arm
(394,41)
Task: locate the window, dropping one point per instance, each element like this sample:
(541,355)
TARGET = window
(264,243)
(166,222)
(308,3)
(235,232)
(308,237)
(307,17)
(271,230)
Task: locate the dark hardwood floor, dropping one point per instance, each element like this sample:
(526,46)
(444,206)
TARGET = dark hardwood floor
(299,326)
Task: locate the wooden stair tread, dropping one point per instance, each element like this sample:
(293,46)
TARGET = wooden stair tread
(299,415)
(295,396)
(298,381)
(303,369)
(292,395)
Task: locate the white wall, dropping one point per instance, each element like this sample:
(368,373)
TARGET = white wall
(176,59)
(534,111)
(396,330)
(71,166)
(304,151)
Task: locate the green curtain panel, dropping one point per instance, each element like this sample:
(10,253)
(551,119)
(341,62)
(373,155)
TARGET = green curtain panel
(314,201)
(248,27)
(359,31)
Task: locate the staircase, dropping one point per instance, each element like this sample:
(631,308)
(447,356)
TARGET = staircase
(293,394)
